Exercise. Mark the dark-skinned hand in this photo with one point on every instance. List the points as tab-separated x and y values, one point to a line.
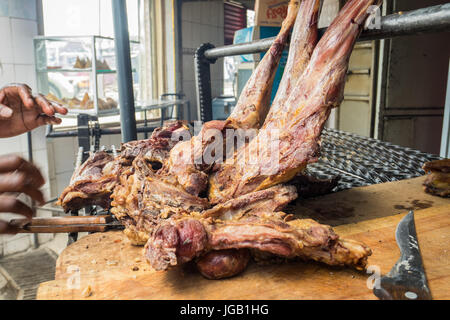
18	176
21	112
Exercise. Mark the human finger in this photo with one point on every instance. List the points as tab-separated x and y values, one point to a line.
25	94
6	228
19	182
9	163
11	204
5	112
45	105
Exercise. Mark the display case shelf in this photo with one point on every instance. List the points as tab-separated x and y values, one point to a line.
80	72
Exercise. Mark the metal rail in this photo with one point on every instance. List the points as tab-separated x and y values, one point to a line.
427	20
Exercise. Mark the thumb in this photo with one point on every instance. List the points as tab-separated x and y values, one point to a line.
5	112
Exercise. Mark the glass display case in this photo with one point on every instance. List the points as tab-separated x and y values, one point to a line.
80	72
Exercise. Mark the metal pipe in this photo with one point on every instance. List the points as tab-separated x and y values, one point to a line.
106	131
124	71
33	204
426	20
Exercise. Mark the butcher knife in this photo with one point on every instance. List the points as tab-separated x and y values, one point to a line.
407	279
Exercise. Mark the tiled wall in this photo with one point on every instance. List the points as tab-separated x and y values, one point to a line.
18	27
202	21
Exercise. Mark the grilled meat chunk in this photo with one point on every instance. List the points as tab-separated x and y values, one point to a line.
438	180
220	264
147	198
92	183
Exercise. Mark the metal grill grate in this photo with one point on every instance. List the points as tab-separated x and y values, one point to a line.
361	161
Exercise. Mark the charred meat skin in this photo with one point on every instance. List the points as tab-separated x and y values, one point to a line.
300	119
148	199
303	41
222	264
309	186
438	180
92	183
305	239
270	200
254	101
178	243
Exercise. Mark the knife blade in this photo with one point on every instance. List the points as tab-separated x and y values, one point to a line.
407	279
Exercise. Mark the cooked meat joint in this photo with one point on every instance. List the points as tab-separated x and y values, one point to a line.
92	183
438	179
156	185
179	241
220	264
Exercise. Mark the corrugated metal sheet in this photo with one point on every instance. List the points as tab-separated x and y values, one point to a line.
235	18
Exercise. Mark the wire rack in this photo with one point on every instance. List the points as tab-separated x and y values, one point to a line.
361	161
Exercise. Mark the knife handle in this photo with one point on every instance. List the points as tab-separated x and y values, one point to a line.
62	224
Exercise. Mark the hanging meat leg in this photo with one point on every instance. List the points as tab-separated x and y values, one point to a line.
303	41
188	160
290	137
254	101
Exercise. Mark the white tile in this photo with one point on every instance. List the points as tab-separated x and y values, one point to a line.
216	11
51	161
116	140
220	36
6	53
205	12
188	67
205	34
25	73
62	181
45	237
4	8
23	32
53	188
40	159
46	191
18	243
39	140
64	154
187	36
217	70
196	12
216	88
7	74
24	9
189	91
186	11
196	35
11	146
220	15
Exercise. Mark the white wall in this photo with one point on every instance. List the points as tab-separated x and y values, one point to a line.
202	21
18	26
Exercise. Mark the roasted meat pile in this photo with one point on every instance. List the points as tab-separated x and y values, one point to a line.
192	200
438	180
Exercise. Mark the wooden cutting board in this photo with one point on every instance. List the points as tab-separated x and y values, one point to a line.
111	268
